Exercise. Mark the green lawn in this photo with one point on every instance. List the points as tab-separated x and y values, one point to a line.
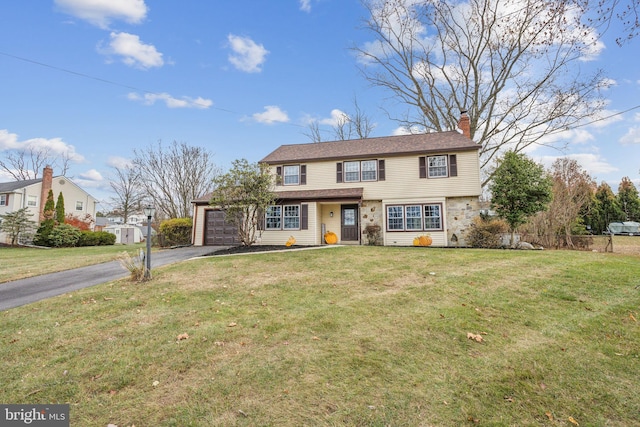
19	263
344	336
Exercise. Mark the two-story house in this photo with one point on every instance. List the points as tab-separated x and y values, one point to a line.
32	194
406	185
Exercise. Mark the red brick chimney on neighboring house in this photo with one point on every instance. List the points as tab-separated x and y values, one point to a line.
47	181
464	124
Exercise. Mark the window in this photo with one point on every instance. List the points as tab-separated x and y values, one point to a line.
437	166
291	175
369	170
3	200
79	206
32	201
432	217
273	217
414	217
351	171
395	218
365	170
291	217
286	217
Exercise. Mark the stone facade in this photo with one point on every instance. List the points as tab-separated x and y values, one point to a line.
460	214
371	215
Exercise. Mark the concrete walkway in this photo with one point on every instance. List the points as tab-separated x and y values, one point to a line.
25	291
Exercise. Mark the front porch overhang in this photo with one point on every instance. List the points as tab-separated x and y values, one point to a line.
340	194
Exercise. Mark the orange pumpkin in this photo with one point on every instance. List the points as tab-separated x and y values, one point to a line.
425	240
330	238
291	241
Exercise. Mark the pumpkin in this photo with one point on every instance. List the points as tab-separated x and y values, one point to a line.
425	240
330	238
416	241
291	241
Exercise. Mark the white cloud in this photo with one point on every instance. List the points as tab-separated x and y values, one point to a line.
91	175
247	55
272	114
170	101
52	146
592	163
305	5
118	162
337	117
632	136
101	12
133	52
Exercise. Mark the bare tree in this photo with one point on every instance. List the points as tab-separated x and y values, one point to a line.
27	163
513	65
172	177
128	189
346	126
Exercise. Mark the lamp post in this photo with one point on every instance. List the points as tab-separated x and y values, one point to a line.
149	210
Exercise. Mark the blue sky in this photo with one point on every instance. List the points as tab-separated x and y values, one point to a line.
98	78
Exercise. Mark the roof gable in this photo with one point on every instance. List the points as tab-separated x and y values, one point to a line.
372	147
8	187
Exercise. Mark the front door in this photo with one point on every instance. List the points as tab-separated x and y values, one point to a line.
349	219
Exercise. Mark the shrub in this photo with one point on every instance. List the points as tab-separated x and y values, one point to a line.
486	232
64	236
134	264
96	238
372	231
176	231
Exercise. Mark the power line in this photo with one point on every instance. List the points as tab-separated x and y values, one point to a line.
111	82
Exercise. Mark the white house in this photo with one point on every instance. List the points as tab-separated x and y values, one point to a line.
32	194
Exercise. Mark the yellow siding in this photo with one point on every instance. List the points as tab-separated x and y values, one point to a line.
402	179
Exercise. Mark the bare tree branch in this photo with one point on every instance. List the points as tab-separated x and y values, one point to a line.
513	65
174	176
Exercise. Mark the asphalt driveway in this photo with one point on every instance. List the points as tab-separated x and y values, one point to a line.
25	291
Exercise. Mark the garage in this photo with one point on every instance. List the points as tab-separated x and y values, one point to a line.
217	232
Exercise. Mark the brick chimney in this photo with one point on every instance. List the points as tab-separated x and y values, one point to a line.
464	124
47	181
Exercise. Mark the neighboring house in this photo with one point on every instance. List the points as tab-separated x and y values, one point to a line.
125	233
32	194
406	185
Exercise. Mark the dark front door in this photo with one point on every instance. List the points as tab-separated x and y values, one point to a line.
217	231
349	223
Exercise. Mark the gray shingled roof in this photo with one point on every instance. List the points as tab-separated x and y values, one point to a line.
7	187
372	147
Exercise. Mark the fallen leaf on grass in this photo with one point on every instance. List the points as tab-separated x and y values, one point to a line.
232	324
573	421
632	318
474	337
156	383
315	339
549	415
184	336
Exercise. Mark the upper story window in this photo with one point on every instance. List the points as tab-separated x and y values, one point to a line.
32	201
291	175
437	166
440	166
361	170
3	200
79	206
